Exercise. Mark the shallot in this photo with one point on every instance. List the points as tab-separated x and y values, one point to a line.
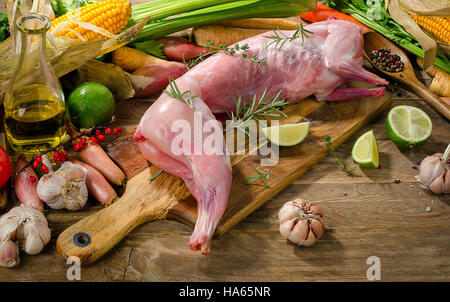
301	222
25	185
434	172
95	156
98	187
153	78
180	49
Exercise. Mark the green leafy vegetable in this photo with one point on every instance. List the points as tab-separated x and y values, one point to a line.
373	14
61	7
185	14
4	27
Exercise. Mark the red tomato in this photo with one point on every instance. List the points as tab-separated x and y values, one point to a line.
5	167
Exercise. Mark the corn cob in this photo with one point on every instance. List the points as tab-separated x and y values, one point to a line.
439	27
111	15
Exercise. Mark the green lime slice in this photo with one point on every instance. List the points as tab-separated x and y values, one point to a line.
286	135
408	126
365	151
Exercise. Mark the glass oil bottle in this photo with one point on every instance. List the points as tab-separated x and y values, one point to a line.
34	101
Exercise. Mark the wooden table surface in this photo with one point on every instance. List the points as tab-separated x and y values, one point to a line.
368	215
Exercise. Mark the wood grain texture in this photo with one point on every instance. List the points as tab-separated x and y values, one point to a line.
367	216
146	200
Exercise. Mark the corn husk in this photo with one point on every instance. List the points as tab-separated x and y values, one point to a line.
63	53
400	14
432	8
110	75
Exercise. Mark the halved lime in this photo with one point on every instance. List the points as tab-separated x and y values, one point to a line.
365	151
408	126
286	135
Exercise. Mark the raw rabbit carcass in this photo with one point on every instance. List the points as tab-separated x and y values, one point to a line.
322	65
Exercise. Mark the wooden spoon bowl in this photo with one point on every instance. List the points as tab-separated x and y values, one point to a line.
373	41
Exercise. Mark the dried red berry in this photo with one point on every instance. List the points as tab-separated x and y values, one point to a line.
115	131
65	154
108	131
44	168
93	139
75	147
119	129
35	164
98	132
101	138
32	178
38	159
83	140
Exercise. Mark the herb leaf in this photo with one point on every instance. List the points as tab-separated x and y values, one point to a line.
342	166
255	109
175	93
280	38
262	175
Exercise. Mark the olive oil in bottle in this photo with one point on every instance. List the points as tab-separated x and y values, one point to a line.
34	101
36	121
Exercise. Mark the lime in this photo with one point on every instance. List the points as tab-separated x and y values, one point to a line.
286	135
90	104
365	151
408	126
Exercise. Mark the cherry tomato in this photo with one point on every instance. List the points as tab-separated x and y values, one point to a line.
5	167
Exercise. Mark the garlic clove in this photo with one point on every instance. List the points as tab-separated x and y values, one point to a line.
437	185
288	212
9	254
316	227
286	227
299	232
447	181
32	243
310	239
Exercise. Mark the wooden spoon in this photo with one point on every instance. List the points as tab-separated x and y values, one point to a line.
373	40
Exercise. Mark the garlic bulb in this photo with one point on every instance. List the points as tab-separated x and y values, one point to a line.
301	222
434	173
28	226
65	188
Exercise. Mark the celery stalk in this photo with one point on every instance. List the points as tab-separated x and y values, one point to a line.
226	10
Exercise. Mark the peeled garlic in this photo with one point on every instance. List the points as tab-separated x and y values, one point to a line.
434	173
301	222
26	225
65	188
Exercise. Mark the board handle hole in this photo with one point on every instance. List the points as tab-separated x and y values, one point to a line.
81	239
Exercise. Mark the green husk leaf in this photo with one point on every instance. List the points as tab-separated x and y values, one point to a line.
151	47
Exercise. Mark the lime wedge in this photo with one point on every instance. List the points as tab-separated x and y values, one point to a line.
286	135
365	151
408	127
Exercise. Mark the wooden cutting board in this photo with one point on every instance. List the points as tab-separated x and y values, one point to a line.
166	197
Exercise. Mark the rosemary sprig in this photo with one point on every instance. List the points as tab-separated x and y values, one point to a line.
340	163
175	93
281	38
262	175
255	109
228	50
